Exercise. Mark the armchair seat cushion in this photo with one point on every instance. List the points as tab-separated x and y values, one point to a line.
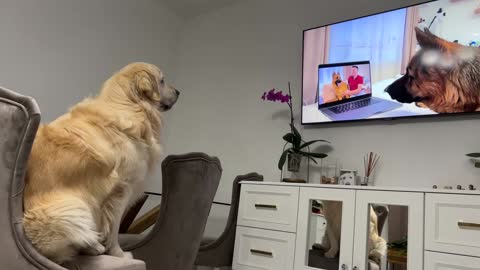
105	262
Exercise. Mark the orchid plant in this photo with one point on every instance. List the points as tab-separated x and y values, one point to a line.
298	145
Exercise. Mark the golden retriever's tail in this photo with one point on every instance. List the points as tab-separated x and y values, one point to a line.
60	229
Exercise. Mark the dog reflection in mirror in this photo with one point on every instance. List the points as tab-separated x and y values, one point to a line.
377	246
442	76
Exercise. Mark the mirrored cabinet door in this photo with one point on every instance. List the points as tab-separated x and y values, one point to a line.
325	229
388	230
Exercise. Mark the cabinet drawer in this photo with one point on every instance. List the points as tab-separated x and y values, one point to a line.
442	261
452	224
269	207
263	249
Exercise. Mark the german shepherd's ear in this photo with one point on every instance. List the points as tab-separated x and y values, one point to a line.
146	85
427	40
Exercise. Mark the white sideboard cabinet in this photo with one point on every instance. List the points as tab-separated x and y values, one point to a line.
286	226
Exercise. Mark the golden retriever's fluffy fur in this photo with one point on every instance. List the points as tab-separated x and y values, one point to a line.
87	166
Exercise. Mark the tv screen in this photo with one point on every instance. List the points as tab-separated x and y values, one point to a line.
422	60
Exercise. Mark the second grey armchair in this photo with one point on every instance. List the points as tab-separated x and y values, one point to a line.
189	185
219	252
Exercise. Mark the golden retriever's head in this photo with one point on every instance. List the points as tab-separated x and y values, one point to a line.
143	83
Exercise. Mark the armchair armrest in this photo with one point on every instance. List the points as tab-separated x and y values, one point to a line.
145	221
132	213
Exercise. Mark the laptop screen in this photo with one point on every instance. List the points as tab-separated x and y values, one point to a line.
343	82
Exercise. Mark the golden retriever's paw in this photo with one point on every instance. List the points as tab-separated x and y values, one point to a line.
128	255
116	251
97	249
331	253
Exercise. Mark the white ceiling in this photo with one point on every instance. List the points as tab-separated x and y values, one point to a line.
191	8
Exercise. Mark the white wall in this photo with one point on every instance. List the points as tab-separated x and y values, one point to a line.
59	51
228	57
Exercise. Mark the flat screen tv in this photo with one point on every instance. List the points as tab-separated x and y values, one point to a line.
417	61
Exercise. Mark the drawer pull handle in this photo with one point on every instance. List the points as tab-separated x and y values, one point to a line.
261	252
266	206
469	225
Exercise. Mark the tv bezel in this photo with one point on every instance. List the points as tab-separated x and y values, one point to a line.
438	115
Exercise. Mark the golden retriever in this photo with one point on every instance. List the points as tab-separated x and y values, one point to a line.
89	165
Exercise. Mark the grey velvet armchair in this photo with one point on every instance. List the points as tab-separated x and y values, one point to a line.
19	121
219	252
189	184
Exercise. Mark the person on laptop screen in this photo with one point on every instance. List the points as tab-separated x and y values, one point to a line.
355	81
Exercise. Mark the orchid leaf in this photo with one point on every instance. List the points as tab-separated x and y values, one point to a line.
312	159
298	137
315	155
283	158
312	142
289	137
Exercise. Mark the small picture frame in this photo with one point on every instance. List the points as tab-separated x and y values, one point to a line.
347	177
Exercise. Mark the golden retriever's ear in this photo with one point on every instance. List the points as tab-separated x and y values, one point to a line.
147	86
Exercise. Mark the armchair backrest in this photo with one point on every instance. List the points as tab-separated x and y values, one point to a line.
19	121
189	183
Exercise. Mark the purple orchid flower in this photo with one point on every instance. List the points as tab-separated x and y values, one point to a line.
279	96
274	96
271	95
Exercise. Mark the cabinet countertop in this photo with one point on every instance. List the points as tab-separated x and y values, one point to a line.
372	188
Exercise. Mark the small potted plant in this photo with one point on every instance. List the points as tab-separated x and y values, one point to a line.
298	148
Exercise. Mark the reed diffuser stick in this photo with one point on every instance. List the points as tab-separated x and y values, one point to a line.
370	162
